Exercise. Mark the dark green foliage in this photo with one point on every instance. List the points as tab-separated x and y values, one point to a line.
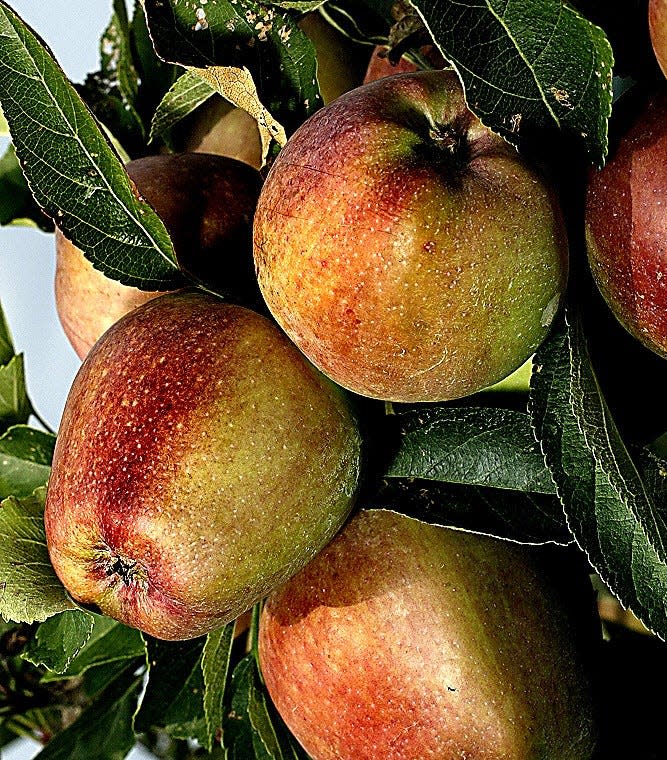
553	468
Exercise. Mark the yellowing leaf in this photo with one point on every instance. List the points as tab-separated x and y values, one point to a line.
237	86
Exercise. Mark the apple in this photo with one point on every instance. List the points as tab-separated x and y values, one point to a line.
409	252
626	228
404	641
200	462
380	65
657	21
206	203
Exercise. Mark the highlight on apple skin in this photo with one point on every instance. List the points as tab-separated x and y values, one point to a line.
657	21
407	250
626	228
206	203
407	641
200	462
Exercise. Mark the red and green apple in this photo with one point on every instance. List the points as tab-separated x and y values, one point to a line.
405	641
626	227
200	462
411	253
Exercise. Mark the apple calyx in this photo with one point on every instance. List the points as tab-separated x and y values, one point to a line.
118	567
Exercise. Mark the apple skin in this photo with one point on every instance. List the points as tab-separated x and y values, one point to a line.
206	202
657	21
495	668
200	461
626	228
407	250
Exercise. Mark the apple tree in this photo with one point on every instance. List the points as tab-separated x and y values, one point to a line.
568	453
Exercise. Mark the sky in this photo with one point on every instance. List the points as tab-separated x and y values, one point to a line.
72	29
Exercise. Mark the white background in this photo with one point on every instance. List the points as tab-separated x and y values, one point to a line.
72	29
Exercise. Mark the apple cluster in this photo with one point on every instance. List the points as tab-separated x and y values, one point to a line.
211	455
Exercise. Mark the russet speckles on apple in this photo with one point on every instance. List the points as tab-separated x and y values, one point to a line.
366	227
176	501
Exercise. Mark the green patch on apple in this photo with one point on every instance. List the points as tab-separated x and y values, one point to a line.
434	269
210	465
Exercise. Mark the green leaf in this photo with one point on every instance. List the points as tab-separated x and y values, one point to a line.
6	735
59	639
242	33
73	171
186	686
30	591
249	729
25	460
104	730
537	63
96	680
215	667
155	76
174	697
653	470
478	446
117	67
16	202
187	93
15	406
29	444
4	127
609	510
527	518
109	642
130	82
